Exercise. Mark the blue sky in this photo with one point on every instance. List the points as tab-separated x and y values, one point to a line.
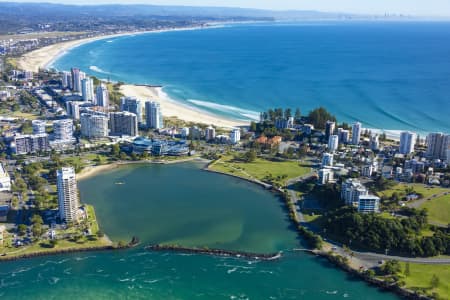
413	7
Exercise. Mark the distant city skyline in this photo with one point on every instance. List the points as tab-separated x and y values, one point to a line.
407	7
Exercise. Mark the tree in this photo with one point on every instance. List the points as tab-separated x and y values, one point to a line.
297	114
434	282
319	116
115	150
287	113
407	270
22	228
391	267
37	230
250	156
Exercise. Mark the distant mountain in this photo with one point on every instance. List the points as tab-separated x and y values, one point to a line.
58	10
18	17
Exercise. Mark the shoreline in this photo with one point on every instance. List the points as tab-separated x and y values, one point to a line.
179	109
91	171
44	57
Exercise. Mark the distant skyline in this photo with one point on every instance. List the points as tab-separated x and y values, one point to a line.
407	7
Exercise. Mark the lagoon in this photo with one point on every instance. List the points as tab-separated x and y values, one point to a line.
180	203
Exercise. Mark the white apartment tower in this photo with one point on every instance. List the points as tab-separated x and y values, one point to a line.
356	133
87	89
38	126
102	96
235	136
351	190
438	145
327	160
153	115
333	143
63	129
77	76
407	142
67	194
94	126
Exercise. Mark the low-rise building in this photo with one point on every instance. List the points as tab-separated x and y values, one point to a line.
368	204
30	143
5	180
351	190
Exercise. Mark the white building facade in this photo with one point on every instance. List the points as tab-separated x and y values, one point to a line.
67	194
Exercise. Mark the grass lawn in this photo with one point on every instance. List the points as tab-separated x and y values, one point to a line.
425	190
420	278
43	246
438	210
261	169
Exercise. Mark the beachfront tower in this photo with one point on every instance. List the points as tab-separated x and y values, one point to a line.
102	96
87	89
356	133
153	115
329	129
67	194
132	105
407	142
66	80
333	143
210	133
438	145
77	76
235	136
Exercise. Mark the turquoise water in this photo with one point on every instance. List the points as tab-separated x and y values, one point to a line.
181	204
138	274
386	75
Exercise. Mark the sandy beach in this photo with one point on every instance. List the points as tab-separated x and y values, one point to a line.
171	108
94	170
41	58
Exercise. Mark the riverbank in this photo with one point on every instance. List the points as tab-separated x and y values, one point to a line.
108	246
91	171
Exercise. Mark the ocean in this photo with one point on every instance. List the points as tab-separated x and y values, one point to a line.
205	209
387	75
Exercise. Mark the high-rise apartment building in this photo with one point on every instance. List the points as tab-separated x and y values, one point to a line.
67	194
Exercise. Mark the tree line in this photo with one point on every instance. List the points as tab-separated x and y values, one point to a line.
380	234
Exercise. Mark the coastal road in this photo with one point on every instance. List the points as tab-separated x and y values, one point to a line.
293	194
370	259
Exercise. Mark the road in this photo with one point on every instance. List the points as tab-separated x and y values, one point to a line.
356	258
418	203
